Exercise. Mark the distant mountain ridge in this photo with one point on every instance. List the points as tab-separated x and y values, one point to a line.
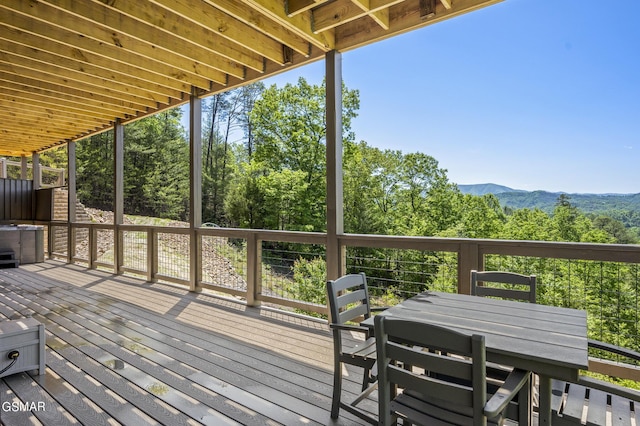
486	188
546	201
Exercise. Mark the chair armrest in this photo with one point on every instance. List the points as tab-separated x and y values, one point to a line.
609	388
512	385
619	350
379	308
349	327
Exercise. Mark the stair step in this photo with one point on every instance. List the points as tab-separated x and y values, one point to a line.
9	262
7	254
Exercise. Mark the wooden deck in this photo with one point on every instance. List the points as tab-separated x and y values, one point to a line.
123	351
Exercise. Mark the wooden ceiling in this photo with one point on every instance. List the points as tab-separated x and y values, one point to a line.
70	68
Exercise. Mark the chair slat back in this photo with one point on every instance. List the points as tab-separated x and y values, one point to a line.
509	278
348	298
455	378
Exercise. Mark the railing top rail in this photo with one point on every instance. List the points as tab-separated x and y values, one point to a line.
564	250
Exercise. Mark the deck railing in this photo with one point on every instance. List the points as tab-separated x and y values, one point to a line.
50	177
287	269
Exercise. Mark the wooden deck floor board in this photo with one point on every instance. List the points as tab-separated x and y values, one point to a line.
74	348
188	358
146	366
11	417
123	344
280	379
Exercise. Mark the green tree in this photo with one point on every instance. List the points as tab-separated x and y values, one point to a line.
368	188
480	217
289	131
156	165
94	162
425	199
526	224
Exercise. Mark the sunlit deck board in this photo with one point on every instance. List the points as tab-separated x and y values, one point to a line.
188	358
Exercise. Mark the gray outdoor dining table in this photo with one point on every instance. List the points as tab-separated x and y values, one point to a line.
550	341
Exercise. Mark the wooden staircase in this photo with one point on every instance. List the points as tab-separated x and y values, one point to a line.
8	259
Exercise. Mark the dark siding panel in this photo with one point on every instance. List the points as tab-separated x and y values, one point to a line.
16	199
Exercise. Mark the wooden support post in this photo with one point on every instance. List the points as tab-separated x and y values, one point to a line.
335	219
37	171
152	255
195	199
118	194
254	269
467	260
93	247
71	201
24	168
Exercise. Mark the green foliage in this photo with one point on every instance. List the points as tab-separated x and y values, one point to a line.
156	164
94	173
289	131
309	277
478	217
621	207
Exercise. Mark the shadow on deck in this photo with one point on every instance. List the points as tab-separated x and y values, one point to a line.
123	351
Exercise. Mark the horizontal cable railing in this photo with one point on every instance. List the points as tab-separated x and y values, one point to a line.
395	274
608	291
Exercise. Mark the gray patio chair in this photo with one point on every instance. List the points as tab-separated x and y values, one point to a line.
518	287
348	298
447	382
594	401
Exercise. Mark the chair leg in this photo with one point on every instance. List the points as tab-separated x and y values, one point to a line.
366	379
525	407
337	389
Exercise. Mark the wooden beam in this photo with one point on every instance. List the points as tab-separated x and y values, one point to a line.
299	24
427	9
29	56
48	37
48	72
269	25
107	29
343	11
295	7
212	21
30	98
159	73
54	97
69	92
62	104
18	107
335	209
46	130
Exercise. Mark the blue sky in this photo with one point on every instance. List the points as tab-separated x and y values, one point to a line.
529	94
